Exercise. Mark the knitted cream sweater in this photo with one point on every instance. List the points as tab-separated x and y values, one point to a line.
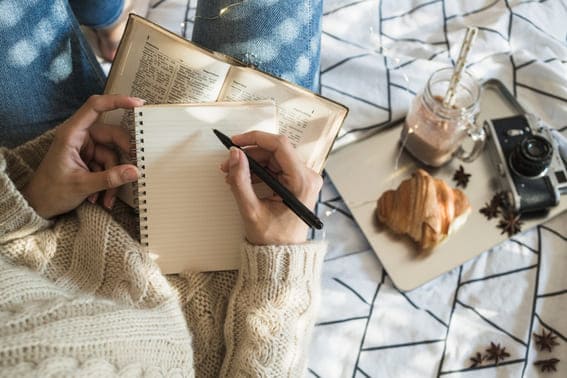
78	297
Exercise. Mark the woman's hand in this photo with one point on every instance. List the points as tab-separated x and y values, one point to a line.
81	160
269	220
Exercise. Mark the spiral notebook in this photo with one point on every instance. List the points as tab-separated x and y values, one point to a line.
188	217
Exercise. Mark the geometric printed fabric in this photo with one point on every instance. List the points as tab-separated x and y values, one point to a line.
376	55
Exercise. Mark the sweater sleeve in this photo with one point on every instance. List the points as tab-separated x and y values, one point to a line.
272	310
17	218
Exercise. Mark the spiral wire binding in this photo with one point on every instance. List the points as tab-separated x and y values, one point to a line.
140	189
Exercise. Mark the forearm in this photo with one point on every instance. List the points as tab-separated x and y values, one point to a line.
272	310
17	218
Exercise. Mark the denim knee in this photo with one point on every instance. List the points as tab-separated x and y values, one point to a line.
47	69
280	37
97	13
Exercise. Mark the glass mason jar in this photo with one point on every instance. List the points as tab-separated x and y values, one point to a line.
434	133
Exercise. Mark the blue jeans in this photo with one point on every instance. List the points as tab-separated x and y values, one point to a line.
97	13
47	69
282	37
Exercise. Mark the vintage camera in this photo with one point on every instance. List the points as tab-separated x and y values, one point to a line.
527	162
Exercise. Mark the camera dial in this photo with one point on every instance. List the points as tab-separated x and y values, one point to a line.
532	156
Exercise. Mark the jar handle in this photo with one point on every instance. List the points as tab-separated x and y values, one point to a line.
478	136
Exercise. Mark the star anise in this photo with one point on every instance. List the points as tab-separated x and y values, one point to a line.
496	353
510	223
477	360
547	365
545	341
490	210
461	177
502	200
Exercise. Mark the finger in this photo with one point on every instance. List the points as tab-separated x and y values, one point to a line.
224	167
87	151
108	179
241	186
261	156
111	134
105	156
264	158
98	104
108	158
278	145
94	167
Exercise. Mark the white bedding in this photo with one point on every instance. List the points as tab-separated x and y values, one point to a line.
375	56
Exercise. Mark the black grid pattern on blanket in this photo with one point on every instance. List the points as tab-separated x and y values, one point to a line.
376	55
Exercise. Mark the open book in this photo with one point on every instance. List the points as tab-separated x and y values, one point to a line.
163	68
188	216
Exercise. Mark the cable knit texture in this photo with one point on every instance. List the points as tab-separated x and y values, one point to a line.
78	297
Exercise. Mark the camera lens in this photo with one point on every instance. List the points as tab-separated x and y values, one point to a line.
531	156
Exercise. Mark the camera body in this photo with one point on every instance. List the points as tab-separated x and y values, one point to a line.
527	161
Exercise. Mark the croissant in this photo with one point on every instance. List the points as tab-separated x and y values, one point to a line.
425	208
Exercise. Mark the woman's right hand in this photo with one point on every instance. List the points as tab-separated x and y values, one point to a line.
269	220
81	161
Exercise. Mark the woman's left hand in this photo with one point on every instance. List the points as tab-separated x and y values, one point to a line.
81	161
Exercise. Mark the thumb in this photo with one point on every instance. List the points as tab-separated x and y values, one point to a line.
110	178
240	182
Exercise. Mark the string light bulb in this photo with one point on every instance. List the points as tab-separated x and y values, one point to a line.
222	11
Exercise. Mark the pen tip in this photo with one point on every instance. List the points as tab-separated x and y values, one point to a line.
218	134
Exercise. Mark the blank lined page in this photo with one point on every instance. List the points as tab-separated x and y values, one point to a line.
193	221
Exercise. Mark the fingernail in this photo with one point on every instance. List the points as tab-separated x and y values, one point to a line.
129	174
233	156
92	198
110	203
140	100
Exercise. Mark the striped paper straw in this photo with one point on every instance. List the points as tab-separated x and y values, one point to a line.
449	99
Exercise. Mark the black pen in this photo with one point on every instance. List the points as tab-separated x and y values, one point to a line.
288	198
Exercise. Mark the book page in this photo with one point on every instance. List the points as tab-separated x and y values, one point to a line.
160	67
163	68
310	122
192	218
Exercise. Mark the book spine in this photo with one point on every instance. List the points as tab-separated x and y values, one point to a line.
140	189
